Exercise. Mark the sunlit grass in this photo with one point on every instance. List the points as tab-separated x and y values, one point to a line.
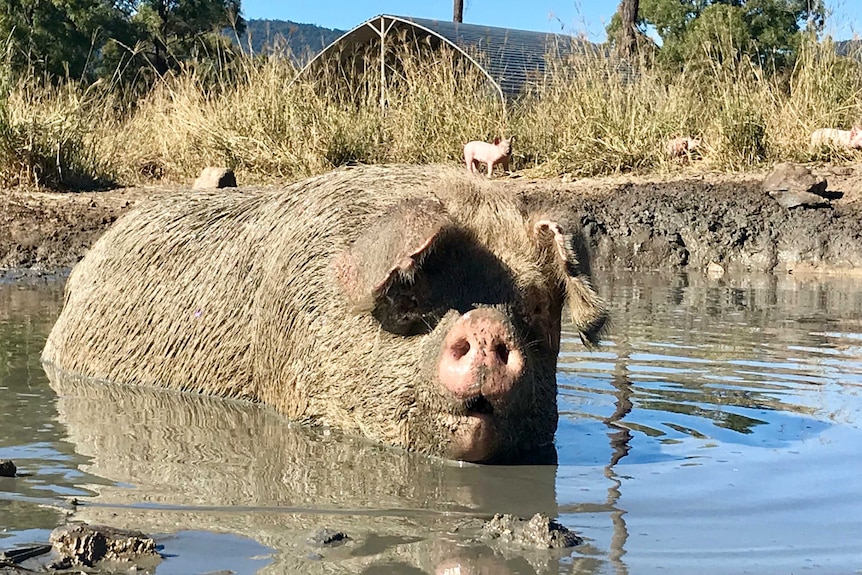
592	116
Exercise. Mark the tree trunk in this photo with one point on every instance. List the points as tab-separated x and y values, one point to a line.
160	42
458	11
628	27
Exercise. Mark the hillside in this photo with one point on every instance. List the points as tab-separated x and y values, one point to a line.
301	40
849	47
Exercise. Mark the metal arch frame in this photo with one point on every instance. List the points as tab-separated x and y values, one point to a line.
382	31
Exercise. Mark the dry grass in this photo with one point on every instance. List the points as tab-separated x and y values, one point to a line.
592	118
46	136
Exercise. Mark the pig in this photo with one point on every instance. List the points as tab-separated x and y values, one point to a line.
851	139
681	146
491	154
413	305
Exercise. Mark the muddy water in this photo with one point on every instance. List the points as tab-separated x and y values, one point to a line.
717	431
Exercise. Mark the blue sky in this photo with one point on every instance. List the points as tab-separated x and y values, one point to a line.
568	16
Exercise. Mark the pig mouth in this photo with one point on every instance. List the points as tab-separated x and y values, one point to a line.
474	430
478	405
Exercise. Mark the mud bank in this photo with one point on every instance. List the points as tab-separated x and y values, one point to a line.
715	222
694	222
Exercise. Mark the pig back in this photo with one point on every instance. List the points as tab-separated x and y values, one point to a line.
164	297
193	291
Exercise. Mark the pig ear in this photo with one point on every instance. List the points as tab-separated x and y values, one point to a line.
564	245
392	247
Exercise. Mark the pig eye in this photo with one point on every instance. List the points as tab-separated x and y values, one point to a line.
541	309
404	309
535	304
458	274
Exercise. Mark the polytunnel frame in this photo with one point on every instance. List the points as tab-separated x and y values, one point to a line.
382	32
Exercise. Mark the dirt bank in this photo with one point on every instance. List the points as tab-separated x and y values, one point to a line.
698	220
651	222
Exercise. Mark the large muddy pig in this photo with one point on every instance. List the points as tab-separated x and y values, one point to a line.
416	306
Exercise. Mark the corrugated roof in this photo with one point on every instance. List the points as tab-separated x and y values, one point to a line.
510	58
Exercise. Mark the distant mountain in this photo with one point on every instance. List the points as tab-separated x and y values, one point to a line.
303	41
849	48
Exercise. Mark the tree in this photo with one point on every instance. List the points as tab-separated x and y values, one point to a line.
766	31
458	11
172	31
628	12
59	37
83	38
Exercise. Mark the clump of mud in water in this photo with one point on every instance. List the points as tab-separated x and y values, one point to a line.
539	531
7	468
81	544
83	548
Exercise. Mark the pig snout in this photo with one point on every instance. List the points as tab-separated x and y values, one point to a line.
480	358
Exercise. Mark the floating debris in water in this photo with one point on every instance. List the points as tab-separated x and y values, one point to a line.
539	531
7	468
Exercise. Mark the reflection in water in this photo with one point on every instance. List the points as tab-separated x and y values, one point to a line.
687	368
29	432
694	367
715	431
202	458
620	439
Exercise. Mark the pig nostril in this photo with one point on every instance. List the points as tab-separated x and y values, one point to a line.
460	348
502	352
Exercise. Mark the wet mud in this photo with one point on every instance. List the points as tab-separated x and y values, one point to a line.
716	222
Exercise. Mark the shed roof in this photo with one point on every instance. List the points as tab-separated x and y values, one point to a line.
510	58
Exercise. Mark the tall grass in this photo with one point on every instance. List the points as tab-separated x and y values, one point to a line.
46	136
591	116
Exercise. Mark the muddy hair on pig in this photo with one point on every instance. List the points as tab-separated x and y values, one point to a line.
330	299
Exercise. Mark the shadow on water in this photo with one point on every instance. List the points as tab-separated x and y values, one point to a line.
712	405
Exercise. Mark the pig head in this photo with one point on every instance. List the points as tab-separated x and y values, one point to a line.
484	288
415	306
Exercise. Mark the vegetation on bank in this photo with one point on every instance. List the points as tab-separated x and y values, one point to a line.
591	117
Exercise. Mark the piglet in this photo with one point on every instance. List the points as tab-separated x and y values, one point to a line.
837	138
682	146
491	154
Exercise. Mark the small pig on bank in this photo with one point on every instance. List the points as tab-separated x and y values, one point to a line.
413	305
849	139
682	147
491	154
